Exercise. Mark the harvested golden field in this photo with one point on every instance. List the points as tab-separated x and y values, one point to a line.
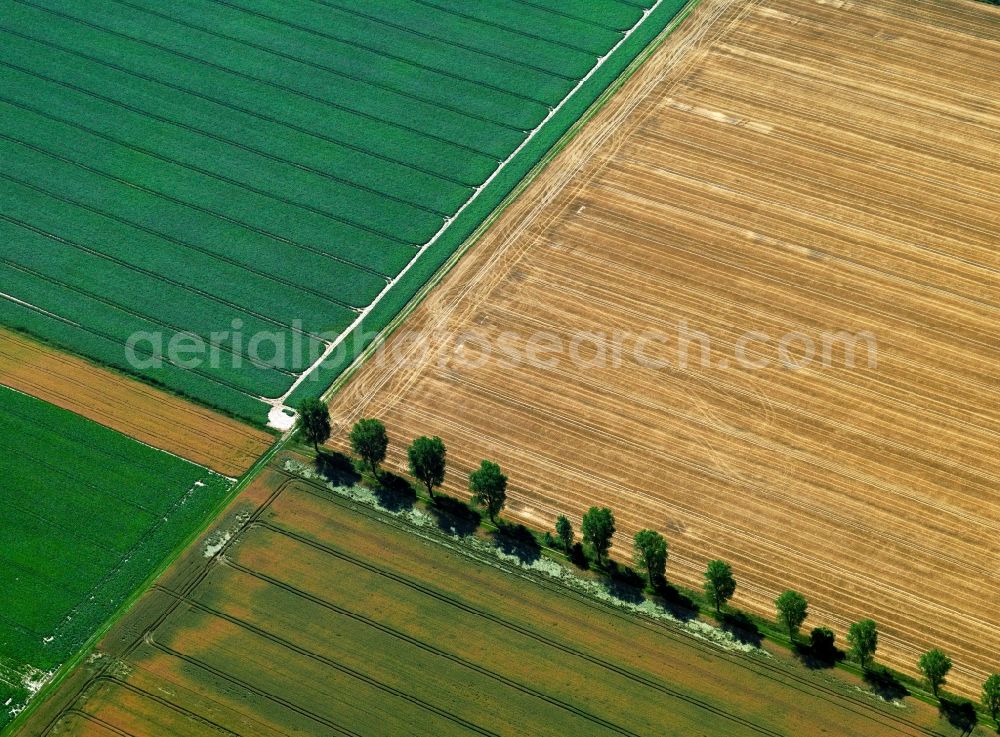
150	415
788	168
320	616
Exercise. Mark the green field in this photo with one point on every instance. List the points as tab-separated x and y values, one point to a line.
173	168
88	515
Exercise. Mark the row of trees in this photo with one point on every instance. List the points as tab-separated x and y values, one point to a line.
427	457
791	607
650	553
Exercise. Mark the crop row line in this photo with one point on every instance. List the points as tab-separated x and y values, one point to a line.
24	630
45	576
744	661
210	174
113	728
446	41
832	117
513	626
345	669
139	351
395	57
193	206
232	106
571	16
258	80
645	199
72	478
256	363
800	454
150	533
156	277
835	35
176	241
502	27
157	698
216	137
290	705
761	159
427	647
316	65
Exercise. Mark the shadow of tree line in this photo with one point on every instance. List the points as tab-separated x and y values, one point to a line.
396	494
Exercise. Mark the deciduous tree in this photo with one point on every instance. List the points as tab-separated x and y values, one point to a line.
564	531
598	528
720	585
427	461
863	639
991	695
370	441
792	611
935	665
651	554
489	488
314	422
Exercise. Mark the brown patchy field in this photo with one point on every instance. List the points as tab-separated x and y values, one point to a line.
788	166
150	415
324	617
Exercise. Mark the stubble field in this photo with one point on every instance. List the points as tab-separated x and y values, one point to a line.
803	166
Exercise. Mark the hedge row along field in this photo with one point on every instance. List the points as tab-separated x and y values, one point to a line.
89	514
187	168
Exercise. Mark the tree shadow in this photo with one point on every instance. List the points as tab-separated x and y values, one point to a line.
680	605
741	627
517	540
336	468
624	591
578	557
394	492
960	713
816	656
455	517
623	583
884	683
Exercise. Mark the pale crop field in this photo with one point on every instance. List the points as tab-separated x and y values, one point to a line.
802	167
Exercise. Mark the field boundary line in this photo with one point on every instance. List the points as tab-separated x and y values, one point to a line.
493	216
680	58
279	402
